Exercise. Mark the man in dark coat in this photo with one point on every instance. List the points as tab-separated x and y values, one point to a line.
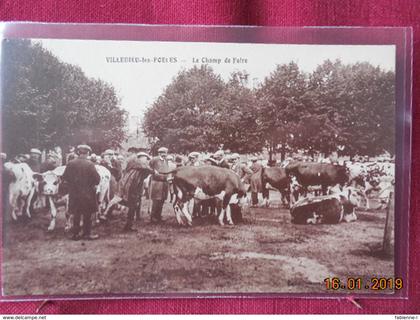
82	178
159	185
130	188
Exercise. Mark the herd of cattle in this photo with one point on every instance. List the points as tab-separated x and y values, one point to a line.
314	192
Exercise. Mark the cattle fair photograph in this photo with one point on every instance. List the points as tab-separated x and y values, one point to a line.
152	167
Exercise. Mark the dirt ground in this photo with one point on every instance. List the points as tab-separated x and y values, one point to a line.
264	254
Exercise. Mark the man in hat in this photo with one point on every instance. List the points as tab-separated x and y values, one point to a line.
219	156
179	161
109	161
82	178
159	184
130	187
34	161
241	168
256	183
193	159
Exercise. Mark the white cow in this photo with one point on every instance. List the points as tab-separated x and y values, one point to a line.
102	189
21	189
48	186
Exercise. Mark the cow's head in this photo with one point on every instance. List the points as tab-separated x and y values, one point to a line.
48	182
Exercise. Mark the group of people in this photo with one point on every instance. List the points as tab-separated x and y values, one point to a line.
129	173
131	183
128	179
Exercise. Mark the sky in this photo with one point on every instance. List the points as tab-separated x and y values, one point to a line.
140	70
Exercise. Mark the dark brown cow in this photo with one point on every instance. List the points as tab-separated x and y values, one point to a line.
278	179
314	174
206	182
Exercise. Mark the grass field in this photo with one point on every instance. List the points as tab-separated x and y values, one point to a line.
264	254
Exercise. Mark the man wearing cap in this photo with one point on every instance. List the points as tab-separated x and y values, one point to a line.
109	161
255	179
219	156
82	178
130	187
34	161
193	159
159	184
179	161
241	168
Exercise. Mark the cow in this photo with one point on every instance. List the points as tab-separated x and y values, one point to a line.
102	189
317	174
277	178
21	188
372	178
330	209
206	182
50	186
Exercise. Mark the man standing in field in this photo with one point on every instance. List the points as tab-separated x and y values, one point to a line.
131	186
159	185
256	183
82	178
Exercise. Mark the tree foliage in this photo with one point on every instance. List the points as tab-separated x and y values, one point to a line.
49	103
338	107
198	111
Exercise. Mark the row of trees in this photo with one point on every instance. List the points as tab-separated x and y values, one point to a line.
48	103
338	107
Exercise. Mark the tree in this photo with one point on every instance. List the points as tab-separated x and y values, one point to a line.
237	119
48	103
182	117
358	100
281	106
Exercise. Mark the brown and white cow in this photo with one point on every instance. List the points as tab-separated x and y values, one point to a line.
206	182
328	209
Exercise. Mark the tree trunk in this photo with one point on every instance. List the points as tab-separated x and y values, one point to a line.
270	152
283	153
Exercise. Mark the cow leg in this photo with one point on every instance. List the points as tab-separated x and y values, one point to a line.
314	219
225	210
229	215
13	204
367	199
28	202
177	211
187	214
115	200
222	217
350	217
20	204
69	216
53	209
266	198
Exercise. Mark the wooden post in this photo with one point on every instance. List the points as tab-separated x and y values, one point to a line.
388	243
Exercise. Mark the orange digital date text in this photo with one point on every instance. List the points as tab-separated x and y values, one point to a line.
374	283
